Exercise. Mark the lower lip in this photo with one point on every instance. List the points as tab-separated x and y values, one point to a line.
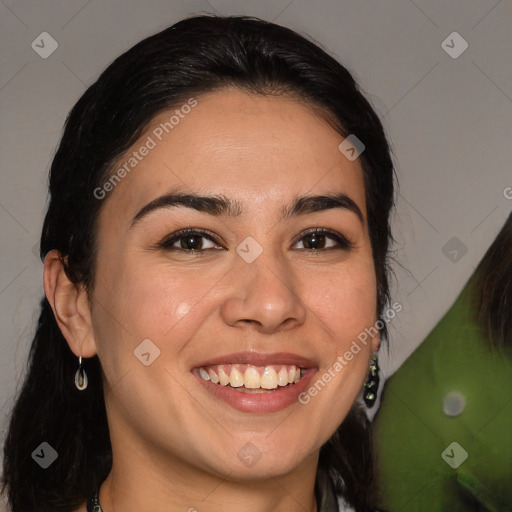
272	401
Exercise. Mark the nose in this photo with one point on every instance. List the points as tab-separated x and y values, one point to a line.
264	294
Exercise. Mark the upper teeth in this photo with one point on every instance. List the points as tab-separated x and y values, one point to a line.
250	376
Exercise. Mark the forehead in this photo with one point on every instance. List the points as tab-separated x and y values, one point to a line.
259	149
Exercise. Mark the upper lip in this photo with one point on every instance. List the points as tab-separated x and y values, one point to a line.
259	359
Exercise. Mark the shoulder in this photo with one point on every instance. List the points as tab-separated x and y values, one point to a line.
343	507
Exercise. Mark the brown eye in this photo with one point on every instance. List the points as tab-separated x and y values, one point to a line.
315	241
189	240
321	239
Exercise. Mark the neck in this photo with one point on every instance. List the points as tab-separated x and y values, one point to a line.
138	481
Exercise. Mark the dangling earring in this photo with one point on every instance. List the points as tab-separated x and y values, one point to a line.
371	384
80	376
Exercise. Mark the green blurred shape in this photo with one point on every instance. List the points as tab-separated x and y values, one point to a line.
412	430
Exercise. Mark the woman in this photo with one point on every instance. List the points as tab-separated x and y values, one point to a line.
214	249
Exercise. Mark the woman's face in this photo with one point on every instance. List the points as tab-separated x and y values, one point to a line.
257	294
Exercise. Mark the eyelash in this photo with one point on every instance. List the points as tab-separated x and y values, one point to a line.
343	242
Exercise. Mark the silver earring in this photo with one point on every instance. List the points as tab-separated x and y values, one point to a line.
80	376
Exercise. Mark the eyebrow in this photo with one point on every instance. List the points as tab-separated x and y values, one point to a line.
220	205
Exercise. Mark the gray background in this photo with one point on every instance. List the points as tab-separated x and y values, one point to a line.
448	119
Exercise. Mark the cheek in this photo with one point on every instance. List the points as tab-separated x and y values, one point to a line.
345	302
138	302
344	305
165	299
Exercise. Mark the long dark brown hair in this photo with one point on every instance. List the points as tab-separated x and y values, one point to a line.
194	56
492	291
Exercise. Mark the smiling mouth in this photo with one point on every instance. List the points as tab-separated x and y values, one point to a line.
248	378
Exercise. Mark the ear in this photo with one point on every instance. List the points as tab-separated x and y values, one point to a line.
70	306
376	343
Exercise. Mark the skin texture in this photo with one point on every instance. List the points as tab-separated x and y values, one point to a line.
174	445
